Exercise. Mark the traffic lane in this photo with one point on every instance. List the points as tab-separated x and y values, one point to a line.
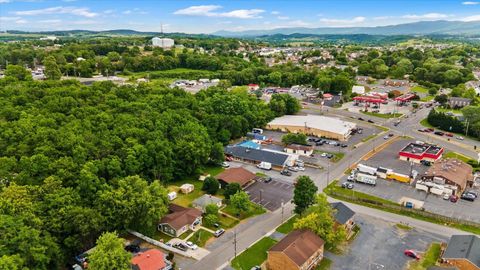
380	245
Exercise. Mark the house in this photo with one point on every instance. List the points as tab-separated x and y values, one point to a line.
299	149
327	96
276	158
358	89
152	259
238	175
187	188
315	125
201	202
253	87
300	249
343	216
179	220
463	252
450	172
458	102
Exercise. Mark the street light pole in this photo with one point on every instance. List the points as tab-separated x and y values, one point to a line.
235	242
328	173
282	210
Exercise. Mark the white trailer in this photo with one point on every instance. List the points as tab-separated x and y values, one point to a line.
366	169
265	165
366	179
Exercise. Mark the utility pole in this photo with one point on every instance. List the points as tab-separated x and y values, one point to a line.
328	172
466	129
235	242
282	210
261	190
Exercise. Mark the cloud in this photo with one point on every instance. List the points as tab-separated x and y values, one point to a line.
275	12
212	11
9	19
283	17
343	22
109	11
126	12
471	18
4	1
470	3
430	16
53	21
83	12
297	23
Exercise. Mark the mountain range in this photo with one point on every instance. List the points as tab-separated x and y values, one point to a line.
440	27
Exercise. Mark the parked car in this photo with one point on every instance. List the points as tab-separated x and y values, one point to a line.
439	133
343	145
473	192
361	119
319	143
293	169
329	156
347	185
191	245
323	154
449	135
351	178
468	197
412	254
426	162
453	198
132	248
370	121
311	139
256	267
268	179
180	246
286	173
460	138
219	232
225	164
420	130
429	130
446	196
390	135
300	168
386	137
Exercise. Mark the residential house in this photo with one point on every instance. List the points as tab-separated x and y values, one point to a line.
458	102
299	250
450	172
179	220
201	202
343	216
463	252
238	175
253	87
152	259
299	149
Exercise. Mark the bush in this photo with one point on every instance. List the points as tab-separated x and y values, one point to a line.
211	185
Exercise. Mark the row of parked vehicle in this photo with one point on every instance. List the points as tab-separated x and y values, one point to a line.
468	195
440	133
320	142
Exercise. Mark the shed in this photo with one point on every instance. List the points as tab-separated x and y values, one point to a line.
187	188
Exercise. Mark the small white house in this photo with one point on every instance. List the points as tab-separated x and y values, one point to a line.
358	89
303	150
172	196
187	188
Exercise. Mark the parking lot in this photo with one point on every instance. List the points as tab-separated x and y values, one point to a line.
380	245
270	195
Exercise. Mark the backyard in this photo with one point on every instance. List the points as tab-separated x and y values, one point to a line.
254	255
254	210
200	237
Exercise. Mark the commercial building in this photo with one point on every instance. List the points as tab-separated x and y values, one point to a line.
238	175
299	250
452	173
418	151
463	252
315	125
299	149
255	156
165	43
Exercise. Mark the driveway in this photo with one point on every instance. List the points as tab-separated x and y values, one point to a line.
380	245
270	195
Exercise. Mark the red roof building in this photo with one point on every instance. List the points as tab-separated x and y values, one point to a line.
417	152
152	259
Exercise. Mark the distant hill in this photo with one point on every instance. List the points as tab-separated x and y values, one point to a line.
416	28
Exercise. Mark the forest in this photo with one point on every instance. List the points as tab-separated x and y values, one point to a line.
79	160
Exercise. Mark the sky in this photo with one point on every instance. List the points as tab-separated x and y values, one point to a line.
234	15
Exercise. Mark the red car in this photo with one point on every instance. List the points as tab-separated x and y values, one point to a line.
454	198
412	254
429	130
449	135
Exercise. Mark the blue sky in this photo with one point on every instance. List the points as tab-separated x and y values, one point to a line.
237	15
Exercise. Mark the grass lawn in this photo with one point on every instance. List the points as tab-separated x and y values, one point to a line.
225	222
254	255
389	206
369	137
200	237
454	111
185	200
254	210
427	98
383	115
159	235
382	128
457	156
403	226
324	264
287	226
337	156
425	123
428	259
419	89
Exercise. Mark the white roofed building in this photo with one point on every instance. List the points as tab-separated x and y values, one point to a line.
316	125
358	89
165	43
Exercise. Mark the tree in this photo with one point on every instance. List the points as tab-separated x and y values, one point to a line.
320	220
216	153
442	99
210	219
52	72
211	209
298	138
231	189
109	254
240	202
304	193
210	185
17	72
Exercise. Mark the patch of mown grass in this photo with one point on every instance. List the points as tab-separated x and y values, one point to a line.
200	237
254	255
383	115
287	226
324	264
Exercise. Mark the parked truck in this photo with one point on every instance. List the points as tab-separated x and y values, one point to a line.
366	179
398	177
256	136
366	169
265	165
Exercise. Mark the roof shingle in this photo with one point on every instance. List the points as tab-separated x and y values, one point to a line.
299	245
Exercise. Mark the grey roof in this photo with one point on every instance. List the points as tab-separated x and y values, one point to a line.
343	213
464	247
205	200
276	158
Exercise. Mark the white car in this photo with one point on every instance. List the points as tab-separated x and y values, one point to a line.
323	154
191	245
446	196
350	177
300	168
460	138
225	164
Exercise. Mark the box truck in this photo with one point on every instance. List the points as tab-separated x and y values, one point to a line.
366	169
265	165
366	179
398	177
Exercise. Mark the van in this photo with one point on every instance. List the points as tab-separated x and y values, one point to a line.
265	165
257	130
